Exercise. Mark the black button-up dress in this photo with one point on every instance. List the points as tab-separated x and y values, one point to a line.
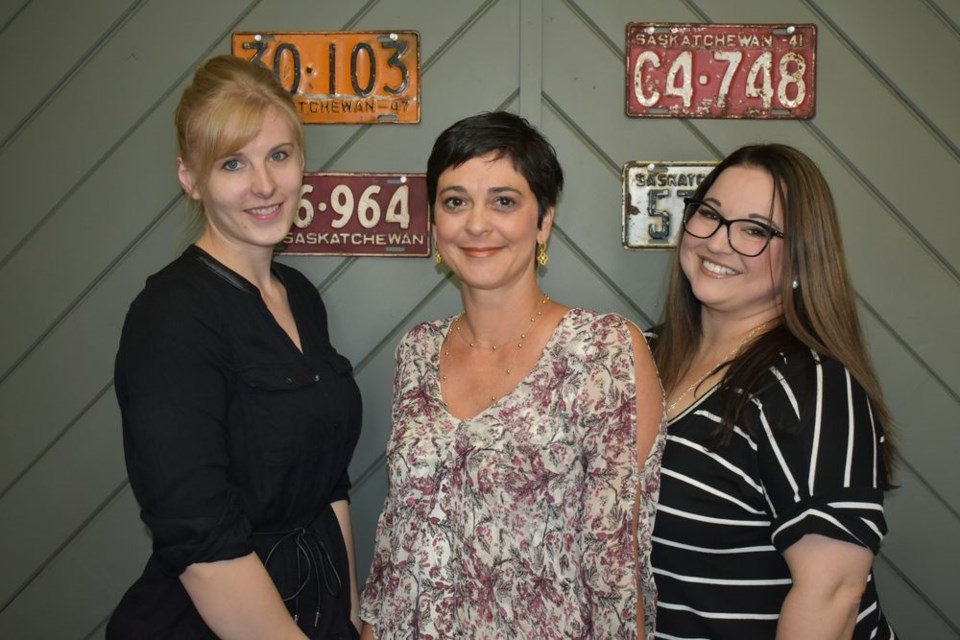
235	441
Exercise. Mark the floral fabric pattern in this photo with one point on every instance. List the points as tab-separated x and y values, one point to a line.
518	522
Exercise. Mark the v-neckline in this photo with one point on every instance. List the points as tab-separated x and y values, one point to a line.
241	283
438	380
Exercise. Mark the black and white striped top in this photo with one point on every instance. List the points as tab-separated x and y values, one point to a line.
727	513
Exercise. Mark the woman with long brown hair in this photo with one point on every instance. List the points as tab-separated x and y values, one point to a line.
771	507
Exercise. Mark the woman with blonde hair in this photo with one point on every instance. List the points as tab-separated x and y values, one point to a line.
771	507
239	417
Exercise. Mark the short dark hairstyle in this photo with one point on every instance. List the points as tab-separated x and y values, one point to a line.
508	136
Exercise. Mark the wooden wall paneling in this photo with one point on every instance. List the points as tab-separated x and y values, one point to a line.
910	49
73	595
590	216
74	362
116	203
587	84
923	547
948	11
904	603
9	10
925	413
60	492
108	97
50	41
106	214
531	60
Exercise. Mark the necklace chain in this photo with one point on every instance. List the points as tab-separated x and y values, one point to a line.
538	312
750	334
523	335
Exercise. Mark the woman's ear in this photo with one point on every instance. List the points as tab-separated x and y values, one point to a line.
546	226
187	180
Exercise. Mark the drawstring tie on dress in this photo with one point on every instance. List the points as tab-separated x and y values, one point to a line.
313	553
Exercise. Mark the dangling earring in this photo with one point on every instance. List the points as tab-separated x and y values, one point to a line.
542	257
795	284
437	257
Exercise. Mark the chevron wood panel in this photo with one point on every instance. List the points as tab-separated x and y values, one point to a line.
92	208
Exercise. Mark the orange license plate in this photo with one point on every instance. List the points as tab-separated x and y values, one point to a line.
342	77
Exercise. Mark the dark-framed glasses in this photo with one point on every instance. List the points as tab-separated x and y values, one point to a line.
746	237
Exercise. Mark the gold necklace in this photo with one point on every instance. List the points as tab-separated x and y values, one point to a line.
713	369
523	336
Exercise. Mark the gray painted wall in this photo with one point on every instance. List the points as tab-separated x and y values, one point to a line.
91	207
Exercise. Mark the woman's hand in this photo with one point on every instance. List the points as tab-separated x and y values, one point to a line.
367	632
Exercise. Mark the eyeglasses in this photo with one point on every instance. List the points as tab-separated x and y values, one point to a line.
746	237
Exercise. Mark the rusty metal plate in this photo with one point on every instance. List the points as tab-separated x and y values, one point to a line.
344	77
760	71
653	194
361	214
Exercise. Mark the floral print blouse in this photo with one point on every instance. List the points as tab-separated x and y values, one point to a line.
517	522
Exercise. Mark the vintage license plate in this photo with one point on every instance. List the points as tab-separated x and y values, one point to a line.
361	214
762	71
347	77
653	194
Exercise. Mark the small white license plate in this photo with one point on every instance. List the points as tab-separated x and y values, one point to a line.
653	193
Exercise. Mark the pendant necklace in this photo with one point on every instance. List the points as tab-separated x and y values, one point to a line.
713	369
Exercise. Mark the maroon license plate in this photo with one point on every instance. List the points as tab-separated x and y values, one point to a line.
762	71
361	214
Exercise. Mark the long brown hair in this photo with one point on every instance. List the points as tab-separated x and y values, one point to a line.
819	314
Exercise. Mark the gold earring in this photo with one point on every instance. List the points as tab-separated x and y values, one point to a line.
437	257
542	257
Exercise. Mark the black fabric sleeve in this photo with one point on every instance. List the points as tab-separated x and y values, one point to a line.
172	386
820	452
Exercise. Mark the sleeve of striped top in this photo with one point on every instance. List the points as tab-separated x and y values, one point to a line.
819	451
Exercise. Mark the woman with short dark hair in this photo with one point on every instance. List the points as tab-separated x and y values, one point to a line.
523	464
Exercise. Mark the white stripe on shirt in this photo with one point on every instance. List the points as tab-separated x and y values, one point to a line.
719	616
766	548
732	583
718	459
776	451
787	390
819	514
705	487
818	418
848	467
694	516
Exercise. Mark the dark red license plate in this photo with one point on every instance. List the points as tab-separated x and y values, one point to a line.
361	214
762	71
